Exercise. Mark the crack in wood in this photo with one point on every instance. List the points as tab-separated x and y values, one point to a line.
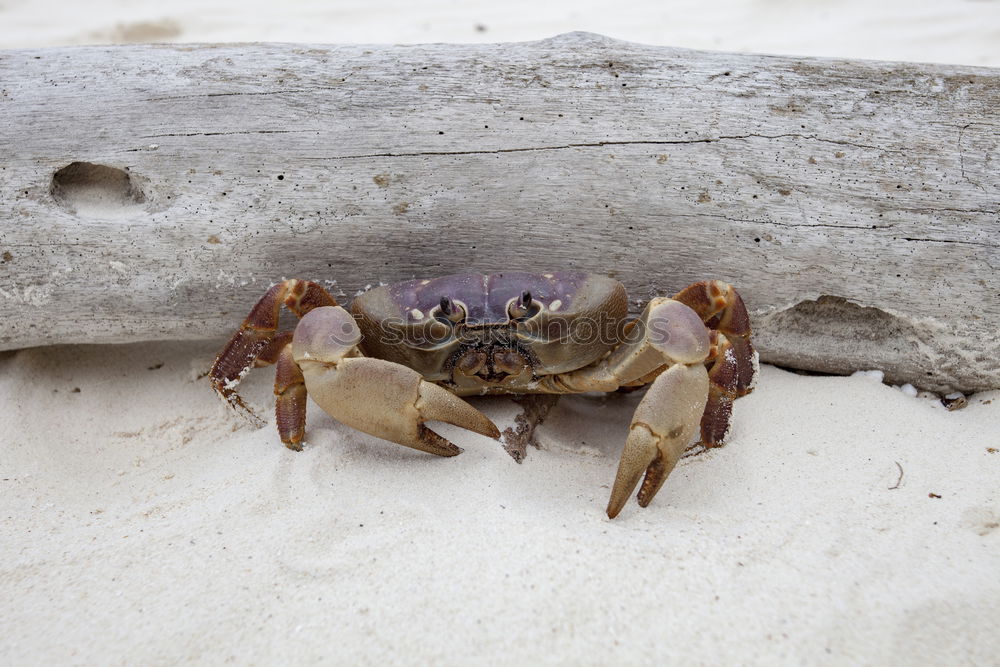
972	243
600	144
961	157
225	134
290	91
802	225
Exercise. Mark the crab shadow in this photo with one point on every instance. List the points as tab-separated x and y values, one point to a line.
592	425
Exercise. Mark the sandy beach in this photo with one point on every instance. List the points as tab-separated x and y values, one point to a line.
145	524
846	522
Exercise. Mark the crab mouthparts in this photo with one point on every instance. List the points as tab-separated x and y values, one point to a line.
492	363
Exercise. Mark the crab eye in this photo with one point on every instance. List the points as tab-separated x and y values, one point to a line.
524	307
450	311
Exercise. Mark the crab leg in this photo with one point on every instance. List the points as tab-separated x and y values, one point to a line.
256	341
733	366
272	351
378	397
290	400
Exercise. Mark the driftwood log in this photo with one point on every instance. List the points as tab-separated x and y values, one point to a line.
151	192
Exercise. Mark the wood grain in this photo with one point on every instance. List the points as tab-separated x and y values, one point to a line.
856	205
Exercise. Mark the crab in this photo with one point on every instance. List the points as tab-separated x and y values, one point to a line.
406	353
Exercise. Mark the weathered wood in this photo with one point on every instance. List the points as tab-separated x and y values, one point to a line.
229	167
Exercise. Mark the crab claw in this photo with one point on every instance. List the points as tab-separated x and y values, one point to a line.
378	397
664	423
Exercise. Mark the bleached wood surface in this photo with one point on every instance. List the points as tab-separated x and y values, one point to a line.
872	184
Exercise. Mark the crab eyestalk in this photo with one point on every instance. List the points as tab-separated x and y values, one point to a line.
451	311
522	307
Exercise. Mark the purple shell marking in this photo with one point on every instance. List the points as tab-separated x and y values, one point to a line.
485	297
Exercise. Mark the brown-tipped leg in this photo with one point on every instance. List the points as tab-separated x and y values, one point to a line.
733	362
290	400
272	351
234	362
747	364
723	379
256	338
731	375
717	419
534	408
719	305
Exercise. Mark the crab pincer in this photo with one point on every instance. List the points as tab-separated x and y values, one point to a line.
376	396
670	333
663	425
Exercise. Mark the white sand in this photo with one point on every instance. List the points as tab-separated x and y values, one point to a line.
144	524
